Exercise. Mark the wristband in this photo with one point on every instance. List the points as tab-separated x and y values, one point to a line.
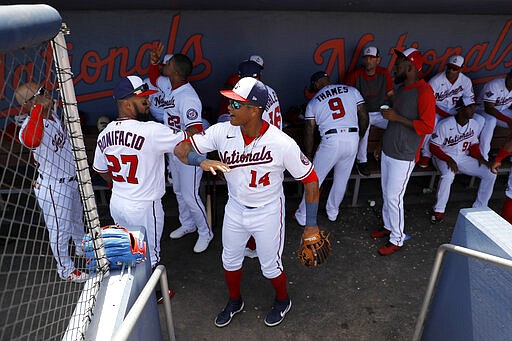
311	212
195	159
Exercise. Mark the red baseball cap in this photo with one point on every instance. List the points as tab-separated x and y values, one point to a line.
412	55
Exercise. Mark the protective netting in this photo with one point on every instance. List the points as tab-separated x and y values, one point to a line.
46	201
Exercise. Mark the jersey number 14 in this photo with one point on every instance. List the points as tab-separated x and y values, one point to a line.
264	180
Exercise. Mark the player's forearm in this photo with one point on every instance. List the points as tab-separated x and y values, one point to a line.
309	140
438	152
491	110
362	120
154	73
181	151
312	195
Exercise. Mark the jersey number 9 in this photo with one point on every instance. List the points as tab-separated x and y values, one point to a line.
336	105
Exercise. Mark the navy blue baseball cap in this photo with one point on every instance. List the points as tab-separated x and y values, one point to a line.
317	76
131	86
250	90
249	69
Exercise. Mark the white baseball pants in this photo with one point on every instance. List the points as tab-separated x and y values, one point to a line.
395	175
147	213
185	184
265	224
489	122
336	151
377	120
469	166
62	212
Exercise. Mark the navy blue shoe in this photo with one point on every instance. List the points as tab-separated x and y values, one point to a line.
279	310
232	308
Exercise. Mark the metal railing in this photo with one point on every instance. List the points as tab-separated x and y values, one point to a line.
441	251
126	328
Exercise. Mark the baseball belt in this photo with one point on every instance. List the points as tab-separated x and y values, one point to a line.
341	130
62	180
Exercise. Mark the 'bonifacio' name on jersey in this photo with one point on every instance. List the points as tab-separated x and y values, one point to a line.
121	138
237	159
331	92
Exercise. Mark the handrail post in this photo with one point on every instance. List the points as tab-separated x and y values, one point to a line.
126	328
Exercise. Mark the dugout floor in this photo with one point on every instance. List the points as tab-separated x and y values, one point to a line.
356	295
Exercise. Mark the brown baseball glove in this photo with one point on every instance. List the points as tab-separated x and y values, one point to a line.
314	247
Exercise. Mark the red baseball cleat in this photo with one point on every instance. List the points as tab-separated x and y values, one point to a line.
380	233
436	217
388	249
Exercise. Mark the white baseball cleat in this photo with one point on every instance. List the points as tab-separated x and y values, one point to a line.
77	276
202	243
181	231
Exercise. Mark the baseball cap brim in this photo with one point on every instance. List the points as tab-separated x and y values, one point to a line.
456	67
146	93
400	53
232	95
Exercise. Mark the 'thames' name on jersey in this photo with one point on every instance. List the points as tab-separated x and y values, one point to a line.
453	140
236	159
327	93
121	138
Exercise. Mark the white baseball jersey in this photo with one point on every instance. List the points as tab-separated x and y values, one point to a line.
184	107
57	192
256	169
133	153
158	100
447	94
496	92
453	139
340	100
53	156
272	113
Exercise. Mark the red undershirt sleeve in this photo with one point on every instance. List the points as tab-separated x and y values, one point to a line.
32	134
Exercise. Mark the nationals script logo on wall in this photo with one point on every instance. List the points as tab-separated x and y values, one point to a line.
332	52
95	69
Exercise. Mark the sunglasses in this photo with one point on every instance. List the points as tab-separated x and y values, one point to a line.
137	91
40	92
236	105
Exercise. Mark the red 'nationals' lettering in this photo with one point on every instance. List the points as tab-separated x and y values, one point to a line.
115	167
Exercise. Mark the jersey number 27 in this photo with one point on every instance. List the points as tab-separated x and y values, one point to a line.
114	167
